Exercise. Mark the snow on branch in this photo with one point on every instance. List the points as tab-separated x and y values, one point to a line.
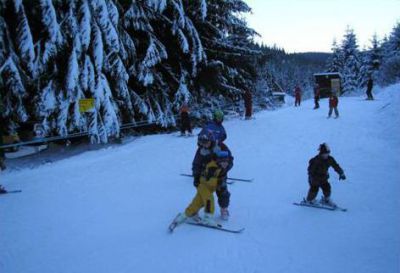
103	19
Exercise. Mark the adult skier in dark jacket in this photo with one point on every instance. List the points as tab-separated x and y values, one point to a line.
316	95
370	84
318	175
207	146
185	120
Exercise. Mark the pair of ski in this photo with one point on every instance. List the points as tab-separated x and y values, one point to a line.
199	223
15	191
319	206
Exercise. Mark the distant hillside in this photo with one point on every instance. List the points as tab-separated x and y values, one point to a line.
283	71
314	58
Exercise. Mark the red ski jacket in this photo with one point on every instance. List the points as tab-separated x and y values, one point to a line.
333	101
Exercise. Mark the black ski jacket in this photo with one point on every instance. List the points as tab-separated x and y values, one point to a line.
318	168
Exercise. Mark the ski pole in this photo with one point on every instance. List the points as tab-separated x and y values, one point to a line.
229	178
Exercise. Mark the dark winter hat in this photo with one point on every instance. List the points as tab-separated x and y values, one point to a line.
205	136
324	148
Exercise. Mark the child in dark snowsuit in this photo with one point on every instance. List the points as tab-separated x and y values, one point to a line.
318	175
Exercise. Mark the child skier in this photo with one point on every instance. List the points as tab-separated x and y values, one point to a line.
207	146
333	104
318	175
212	176
216	127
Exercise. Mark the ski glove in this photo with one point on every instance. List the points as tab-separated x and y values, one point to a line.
196	181
342	177
222	186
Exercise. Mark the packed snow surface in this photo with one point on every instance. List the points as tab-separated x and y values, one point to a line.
107	211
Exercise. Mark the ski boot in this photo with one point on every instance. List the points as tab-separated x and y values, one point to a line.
179	219
326	201
208	220
225	214
195	218
311	202
2	189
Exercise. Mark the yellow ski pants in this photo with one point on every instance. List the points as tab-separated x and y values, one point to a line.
204	197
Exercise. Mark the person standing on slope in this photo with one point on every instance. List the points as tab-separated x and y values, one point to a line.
318	176
248	104
2	167
207	147
333	104
316	96
213	175
185	120
297	96
370	85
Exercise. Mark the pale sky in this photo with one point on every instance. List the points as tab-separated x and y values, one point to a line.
311	25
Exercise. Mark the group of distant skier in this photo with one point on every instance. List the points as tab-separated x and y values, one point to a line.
333	98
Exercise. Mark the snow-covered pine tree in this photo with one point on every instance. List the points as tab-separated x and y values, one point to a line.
335	62
104	21
14	108
127	58
390	69
5	46
370	61
53	38
85	21
351	62
182	95
108	111
23	39
227	40
393	43
46	102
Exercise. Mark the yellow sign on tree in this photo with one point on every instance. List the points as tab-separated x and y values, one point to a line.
86	105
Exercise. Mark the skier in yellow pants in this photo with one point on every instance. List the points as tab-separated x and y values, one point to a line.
213	176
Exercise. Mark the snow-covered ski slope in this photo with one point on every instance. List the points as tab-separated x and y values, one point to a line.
107	211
